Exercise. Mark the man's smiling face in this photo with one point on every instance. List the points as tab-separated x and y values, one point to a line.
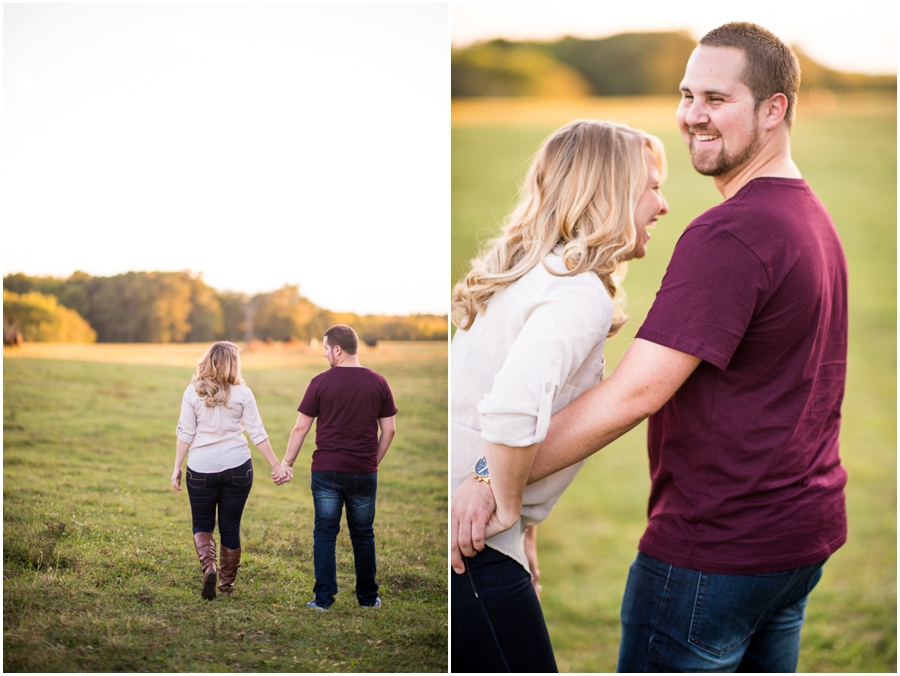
718	116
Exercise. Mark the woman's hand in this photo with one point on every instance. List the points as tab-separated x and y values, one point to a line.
281	474
472	520
176	479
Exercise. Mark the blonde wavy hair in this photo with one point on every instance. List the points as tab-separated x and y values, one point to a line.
580	192
218	369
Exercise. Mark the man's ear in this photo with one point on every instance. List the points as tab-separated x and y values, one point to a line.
774	109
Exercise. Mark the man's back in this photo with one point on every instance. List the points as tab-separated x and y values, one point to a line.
744	458
347	402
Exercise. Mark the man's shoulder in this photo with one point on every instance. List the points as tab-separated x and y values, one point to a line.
761	199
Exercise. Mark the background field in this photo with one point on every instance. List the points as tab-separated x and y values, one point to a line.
99	567
848	155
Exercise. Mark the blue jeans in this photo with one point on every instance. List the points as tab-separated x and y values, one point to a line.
226	492
677	619
496	619
331	492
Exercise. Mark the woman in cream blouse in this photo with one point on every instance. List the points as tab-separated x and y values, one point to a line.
533	316
216	409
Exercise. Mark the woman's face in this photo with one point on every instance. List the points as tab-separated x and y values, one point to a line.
650	207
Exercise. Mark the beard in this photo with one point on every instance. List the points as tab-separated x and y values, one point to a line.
725	161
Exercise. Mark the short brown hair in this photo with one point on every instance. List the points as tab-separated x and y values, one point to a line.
771	66
344	337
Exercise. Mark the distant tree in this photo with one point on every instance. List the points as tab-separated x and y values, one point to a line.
502	68
40	318
162	307
206	317
233	315
627	64
285	314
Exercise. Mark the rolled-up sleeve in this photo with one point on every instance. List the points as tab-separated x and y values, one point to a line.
252	421
187	421
553	343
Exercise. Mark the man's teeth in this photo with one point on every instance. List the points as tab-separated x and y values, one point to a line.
706	137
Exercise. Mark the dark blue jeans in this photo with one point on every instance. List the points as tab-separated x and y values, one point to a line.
678	619
331	492
496	619
225	492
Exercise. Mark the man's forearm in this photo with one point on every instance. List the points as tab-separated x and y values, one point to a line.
647	377
384	443
295	443
578	431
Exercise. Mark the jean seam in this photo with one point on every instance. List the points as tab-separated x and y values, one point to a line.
662	600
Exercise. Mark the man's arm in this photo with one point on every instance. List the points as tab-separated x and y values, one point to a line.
298	436
388	430
646	378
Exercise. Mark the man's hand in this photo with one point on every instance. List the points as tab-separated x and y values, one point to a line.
472	520
532	557
281	474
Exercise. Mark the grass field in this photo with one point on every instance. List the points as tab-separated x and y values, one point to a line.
99	568
848	155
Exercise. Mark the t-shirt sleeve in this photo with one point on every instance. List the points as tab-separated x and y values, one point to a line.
187	420
388	408
252	420
310	403
713	287
554	342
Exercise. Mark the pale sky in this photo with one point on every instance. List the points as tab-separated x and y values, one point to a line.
258	144
859	36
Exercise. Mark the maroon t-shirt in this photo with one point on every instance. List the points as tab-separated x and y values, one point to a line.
744	463
348	401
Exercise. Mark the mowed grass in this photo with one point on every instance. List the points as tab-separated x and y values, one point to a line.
848	155
99	567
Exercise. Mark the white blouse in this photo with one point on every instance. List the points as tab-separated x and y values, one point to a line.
535	349
216	434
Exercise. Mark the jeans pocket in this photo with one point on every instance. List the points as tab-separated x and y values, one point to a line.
729	608
196	480
242	477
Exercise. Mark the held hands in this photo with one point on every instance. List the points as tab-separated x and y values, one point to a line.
472	519
281	474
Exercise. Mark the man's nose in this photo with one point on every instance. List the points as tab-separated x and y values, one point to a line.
696	113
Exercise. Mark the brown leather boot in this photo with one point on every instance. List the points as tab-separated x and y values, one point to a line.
206	552
230	560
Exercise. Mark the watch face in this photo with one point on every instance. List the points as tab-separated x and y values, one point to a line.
481	468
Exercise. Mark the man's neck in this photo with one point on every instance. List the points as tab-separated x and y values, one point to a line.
772	161
350	360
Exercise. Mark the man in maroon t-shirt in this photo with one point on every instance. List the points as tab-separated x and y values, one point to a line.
351	403
740	366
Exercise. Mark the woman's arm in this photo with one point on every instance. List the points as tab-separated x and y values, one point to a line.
181	449
473	517
280	473
509	467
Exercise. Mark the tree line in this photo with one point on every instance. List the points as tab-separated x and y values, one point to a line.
627	64
178	307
